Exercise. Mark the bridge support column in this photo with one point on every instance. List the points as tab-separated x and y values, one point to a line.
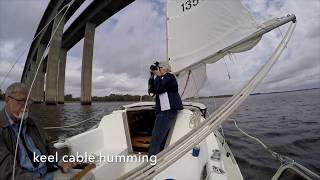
27	80
61	78
37	93
86	73
31	74
53	61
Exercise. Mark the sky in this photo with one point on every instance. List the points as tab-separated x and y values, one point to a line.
130	41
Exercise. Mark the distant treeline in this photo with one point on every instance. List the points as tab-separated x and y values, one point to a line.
112	97
1	95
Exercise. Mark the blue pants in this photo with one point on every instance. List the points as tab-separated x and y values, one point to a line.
162	125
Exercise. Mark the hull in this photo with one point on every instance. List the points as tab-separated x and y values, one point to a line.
120	143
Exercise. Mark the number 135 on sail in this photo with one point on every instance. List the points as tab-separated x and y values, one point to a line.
189	4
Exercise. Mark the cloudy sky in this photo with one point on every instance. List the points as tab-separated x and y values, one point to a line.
130	41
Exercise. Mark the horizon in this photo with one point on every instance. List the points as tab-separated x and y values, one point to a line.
138	34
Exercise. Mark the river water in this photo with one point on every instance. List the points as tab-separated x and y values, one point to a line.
289	123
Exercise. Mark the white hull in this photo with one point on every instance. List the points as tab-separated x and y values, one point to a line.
114	136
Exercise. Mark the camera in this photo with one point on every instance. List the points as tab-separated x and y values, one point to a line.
154	66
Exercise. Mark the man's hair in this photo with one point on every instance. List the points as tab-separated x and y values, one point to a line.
166	66
16	87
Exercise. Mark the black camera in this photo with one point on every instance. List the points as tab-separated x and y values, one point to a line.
151	89
154	66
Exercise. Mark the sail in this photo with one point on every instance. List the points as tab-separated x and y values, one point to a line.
198	29
191	81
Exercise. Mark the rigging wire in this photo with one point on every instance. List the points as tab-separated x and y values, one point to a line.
281	34
211	85
34	78
196	86
75	124
228	73
232	58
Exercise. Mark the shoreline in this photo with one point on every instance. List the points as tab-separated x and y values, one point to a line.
203	97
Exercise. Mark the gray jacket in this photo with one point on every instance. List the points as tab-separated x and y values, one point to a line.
8	143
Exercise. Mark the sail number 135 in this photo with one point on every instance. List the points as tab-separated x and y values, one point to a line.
189	4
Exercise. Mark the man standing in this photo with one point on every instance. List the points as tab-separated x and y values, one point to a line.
168	102
32	139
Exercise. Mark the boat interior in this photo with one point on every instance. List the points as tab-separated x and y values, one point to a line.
140	124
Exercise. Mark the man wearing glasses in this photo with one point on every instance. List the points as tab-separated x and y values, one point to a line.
32	139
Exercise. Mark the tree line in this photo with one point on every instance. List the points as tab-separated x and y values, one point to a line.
111	97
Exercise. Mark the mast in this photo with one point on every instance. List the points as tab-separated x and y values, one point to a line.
166	29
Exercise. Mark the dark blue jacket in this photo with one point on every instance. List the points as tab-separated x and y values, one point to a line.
168	83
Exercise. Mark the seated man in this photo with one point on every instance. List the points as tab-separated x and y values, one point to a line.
32	140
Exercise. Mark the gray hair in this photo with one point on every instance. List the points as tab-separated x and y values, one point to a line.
15	88
166	66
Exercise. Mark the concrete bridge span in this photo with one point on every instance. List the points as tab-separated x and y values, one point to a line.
49	86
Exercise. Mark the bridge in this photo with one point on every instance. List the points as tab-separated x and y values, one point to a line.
49	85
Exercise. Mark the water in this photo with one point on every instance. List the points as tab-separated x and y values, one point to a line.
287	122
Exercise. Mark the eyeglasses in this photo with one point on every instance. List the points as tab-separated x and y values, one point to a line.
21	101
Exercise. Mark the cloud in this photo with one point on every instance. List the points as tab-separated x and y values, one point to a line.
134	42
18	23
20	19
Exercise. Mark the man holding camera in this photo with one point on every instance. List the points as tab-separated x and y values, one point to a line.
168	102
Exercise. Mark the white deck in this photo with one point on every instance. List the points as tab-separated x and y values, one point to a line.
111	138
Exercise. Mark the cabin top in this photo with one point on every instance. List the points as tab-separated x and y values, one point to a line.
138	105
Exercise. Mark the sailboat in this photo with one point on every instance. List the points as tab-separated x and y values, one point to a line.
199	32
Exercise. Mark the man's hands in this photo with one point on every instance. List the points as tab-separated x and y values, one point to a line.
156	72
66	166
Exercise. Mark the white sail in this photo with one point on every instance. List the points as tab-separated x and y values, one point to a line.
191	81
198	29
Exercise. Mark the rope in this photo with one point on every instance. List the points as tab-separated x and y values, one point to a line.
252	137
185	86
25	106
283	159
75	124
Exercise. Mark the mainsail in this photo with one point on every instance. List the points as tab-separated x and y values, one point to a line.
198	30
